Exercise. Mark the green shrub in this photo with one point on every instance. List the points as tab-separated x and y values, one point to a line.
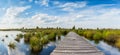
59	34
110	36
27	37
35	44
117	44
80	32
89	34
42	34
20	35
38	34
52	36
97	36
64	32
44	40
17	39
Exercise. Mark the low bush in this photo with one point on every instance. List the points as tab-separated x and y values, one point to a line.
35	44
97	36
12	45
117	44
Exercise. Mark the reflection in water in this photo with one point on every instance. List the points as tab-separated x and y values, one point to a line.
107	49
24	49
4	49
21	47
50	47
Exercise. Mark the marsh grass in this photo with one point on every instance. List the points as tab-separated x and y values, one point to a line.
118	43
27	37
19	36
37	38
97	36
111	36
12	45
17	39
35	44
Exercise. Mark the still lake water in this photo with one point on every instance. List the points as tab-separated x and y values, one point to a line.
23	49
105	48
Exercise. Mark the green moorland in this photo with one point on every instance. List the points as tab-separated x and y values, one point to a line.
38	37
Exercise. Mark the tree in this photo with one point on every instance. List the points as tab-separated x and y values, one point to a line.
73	27
22	28
37	27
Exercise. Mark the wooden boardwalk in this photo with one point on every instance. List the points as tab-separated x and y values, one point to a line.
73	44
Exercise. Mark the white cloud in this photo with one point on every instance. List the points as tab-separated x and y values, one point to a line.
11	21
13	11
44	18
9	17
30	0
42	2
70	6
102	18
36	1
45	2
56	2
99	16
91	17
74	5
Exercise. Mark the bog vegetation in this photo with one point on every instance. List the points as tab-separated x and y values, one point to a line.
39	37
111	36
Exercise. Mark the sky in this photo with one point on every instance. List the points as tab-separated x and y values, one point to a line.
60	13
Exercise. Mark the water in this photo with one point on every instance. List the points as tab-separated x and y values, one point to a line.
105	48
21	47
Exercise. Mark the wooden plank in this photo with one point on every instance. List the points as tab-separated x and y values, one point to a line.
73	44
71	53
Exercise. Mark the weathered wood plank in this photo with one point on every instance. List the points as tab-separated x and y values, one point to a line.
73	44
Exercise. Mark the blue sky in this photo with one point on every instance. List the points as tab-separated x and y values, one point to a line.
60	13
